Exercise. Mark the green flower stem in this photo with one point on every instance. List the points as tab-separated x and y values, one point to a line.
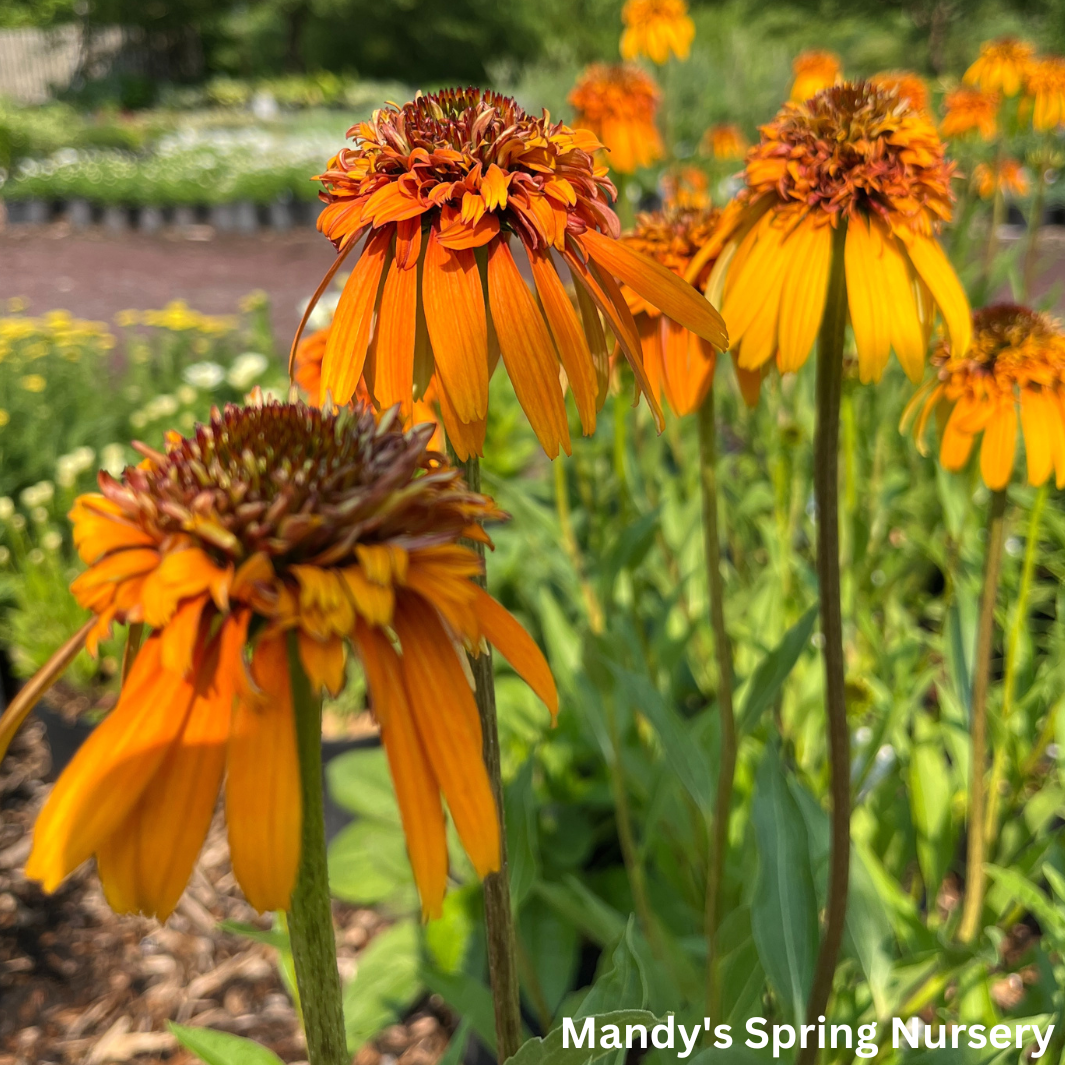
1031	251
1009	682
974	860
573	548
718	825
310	920
826	491
498	918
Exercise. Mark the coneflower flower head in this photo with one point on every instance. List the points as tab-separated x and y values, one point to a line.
814	70
1001	66
968	110
1016	362
724	141
272	520
854	154
1006	175
440	187
656	28
1045	93
677	362
907	84
618	103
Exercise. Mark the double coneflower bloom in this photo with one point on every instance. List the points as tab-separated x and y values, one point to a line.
724	141
1002	66
656	28
968	110
1005	175
277	529
1015	364
443	189
854	155
677	362
618	103
907	84
1045	88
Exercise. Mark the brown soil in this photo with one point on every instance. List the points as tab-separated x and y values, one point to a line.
81	985
94	274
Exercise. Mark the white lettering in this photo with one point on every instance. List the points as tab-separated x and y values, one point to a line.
1043	1041
867	1047
998	1033
570	1032
899	1029
689	1044
753	1029
778	1044
668	1029
630	1028
723	1036
976	1031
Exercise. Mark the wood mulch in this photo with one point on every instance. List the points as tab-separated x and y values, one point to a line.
80	985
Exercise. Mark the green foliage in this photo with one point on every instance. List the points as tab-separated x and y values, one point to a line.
221	1048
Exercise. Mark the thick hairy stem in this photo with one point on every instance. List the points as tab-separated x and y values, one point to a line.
310	920
1009	681
498	918
717	835
969	928
826	491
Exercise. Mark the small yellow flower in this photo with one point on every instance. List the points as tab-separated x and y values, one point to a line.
4	417
1001	66
17	304
656	28
34	382
254	301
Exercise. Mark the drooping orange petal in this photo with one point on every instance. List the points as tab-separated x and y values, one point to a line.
527	350
688	367
100	528
323	662
802	294
349	336
180	575
396	325
569	336
750	382
446	720
511	640
933	266
372	601
458	329
957	445
659	286
999	445
1037	425
180	634
866	299
593	332
263	803
467	438
417	790
103	782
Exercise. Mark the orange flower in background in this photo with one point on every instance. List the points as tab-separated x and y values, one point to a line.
687	186
442	189
814	71
1045	93
618	103
968	110
1001	66
907	84
277	527
307	374
1016	364
1007	176
853	155
678	363
724	141
656	28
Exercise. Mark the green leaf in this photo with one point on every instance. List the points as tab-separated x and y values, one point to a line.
598	920
930	789
550	1051
784	907
468	997
221	1048
1046	912
523	853
628	550
624	984
271	937
360	782
386	983
448	937
456	1047
773	670
368	864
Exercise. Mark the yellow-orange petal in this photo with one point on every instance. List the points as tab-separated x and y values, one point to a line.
445	716
527	351
181	575
999	445
957	444
349	336
323	661
458	328
417	790
372	601
100	527
103	782
1037	425
180	634
802	294
569	336
396	325
510	639
933	266
659	286
869	310
263	803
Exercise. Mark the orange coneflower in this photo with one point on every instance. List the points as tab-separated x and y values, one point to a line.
1016	362
1001	66
618	103
439	188
655	28
307	374
1007	176
857	155
677	362
1045	93
814	71
969	109
910	86
687	186
276	521
724	141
